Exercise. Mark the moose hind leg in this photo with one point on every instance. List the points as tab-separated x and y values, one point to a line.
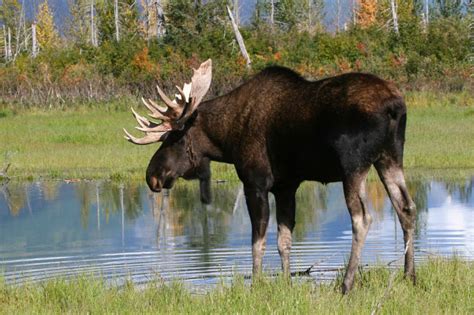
356	199
285	213
257	204
393	179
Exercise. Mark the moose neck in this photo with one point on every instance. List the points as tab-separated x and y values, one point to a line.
210	130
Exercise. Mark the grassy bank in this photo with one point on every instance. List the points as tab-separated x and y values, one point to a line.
87	142
444	287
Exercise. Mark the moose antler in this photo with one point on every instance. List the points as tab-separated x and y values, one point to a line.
177	111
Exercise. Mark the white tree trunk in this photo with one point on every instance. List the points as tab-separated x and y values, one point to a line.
93	28
160	19
116	14
147	8
310	9
354	10
34	43
25	35
427	13
338	15
272	12
5	43
9	46
394	16
18	32
239	38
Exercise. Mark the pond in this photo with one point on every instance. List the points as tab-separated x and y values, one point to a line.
123	231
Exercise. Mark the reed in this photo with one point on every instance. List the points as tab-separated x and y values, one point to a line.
444	287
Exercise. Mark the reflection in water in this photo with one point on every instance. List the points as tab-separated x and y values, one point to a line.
120	230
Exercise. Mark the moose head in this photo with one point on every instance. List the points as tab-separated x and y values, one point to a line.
175	157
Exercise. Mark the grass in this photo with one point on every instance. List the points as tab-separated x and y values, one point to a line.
444	287
87	142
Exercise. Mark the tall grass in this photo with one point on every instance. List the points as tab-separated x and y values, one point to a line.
87	141
444	287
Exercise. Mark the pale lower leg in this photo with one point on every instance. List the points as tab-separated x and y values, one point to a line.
355	193
284	247
394	181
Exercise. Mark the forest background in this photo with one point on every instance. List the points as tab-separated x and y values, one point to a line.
120	49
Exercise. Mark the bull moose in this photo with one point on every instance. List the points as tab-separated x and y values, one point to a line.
279	129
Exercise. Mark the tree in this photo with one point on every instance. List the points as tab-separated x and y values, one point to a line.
186	20
10	13
127	19
105	21
79	24
288	13
314	16
366	13
448	8
407	13
153	18
46	32
302	15
11	17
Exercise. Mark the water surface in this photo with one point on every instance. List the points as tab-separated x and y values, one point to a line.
125	232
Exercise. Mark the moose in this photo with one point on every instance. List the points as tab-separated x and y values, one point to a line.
278	130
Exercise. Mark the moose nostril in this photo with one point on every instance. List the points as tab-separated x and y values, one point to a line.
153	183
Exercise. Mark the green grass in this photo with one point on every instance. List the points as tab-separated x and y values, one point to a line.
87	142
444	287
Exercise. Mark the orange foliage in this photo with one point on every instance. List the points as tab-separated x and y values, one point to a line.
141	60
398	61
362	48
366	13
242	62
76	73
343	65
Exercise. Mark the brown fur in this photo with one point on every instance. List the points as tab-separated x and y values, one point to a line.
279	130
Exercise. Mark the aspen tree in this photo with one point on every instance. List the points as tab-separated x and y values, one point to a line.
46	32
366	13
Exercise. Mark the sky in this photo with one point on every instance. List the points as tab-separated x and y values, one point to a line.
61	12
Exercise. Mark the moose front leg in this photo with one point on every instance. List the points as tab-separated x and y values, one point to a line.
257	204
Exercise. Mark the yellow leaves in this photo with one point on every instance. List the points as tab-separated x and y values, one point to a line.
46	32
366	13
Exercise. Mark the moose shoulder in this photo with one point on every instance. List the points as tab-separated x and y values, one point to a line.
279	129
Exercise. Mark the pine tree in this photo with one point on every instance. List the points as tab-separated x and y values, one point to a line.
128	19
46	32
79	24
408	11
366	13
288	13
448	8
